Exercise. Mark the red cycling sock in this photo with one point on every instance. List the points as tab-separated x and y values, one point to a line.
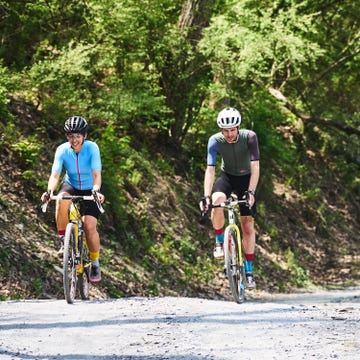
249	257
61	233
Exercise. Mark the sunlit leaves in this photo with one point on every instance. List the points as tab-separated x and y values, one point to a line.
257	43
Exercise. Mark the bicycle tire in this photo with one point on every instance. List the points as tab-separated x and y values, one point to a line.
84	284
235	270
84	275
69	266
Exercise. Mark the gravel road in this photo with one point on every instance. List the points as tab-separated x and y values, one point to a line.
319	325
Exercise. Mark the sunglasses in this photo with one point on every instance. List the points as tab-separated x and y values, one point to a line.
73	136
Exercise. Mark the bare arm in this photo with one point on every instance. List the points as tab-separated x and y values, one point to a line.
254	178
255	174
52	183
97	184
209	180
96	180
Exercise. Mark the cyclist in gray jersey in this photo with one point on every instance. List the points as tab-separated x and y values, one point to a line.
240	170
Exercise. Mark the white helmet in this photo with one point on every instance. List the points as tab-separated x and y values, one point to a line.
228	118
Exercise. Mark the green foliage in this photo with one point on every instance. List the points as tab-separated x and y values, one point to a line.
264	118
188	248
151	89
199	272
164	250
28	150
114	292
313	194
5	257
66	74
28	174
8	134
7	86
263	45
37	285
299	276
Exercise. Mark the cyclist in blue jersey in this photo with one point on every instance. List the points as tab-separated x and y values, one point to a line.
240	170
82	163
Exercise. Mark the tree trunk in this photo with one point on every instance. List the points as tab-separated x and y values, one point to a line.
182	92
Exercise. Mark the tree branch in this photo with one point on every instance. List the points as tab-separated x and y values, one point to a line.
308	118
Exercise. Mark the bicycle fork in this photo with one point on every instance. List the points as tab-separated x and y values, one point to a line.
231	215
239	248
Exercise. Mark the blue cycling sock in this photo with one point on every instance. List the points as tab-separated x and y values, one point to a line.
219	238
248	266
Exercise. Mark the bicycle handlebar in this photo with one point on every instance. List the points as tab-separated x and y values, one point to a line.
92	197
230	203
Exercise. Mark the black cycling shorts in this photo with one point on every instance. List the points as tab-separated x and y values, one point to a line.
228	184
87	207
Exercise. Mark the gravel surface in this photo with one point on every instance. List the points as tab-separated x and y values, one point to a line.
319	325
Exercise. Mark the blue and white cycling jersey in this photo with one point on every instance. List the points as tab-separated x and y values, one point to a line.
78	167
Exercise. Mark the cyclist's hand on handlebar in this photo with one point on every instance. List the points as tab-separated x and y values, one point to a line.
99	195
204	204
250	198
45	197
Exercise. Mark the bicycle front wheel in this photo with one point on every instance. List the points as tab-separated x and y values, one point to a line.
234	267
84	284
69	266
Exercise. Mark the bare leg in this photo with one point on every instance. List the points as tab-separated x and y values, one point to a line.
93	241
217	214
248	234
92	235
61	213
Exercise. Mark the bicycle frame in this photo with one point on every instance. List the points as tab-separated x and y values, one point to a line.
238	237
230	206
76	219
76	262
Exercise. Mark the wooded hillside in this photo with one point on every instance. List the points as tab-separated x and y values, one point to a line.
150	77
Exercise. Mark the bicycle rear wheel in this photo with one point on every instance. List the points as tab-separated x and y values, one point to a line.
235	270
84	274
69	267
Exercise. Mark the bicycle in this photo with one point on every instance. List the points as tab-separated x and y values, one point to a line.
76	258
234	260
